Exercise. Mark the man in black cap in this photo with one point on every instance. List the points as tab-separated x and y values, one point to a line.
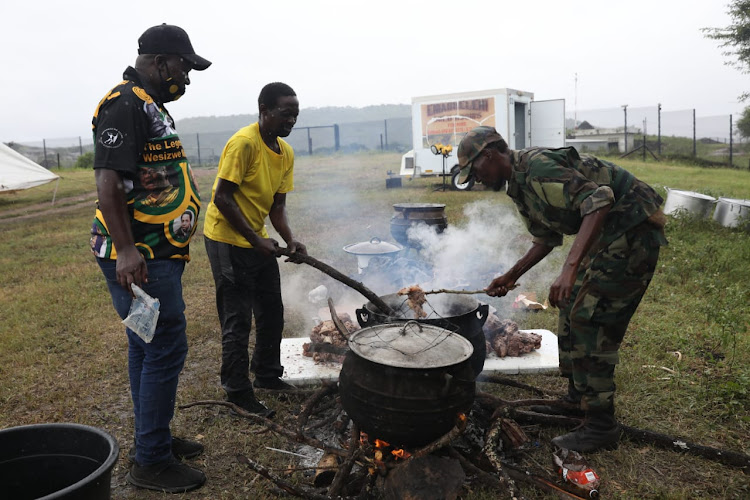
135	242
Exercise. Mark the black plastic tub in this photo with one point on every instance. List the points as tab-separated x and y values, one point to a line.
56	461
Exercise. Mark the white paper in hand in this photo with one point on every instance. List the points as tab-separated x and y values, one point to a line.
143	315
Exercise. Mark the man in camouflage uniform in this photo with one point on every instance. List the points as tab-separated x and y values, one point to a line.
618	225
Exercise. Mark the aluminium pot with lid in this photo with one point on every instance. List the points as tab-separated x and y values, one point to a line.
731	212
366	250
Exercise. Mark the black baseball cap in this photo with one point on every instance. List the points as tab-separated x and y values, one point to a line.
170	39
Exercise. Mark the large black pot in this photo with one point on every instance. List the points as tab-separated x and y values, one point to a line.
417	401
56	461
411	214
462	314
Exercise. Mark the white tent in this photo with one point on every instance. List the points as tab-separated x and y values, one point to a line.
18	172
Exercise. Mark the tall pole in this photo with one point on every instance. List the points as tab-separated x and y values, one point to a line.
44	145
575	104
198	141
385	122
625	109
694	142
658	139
730	140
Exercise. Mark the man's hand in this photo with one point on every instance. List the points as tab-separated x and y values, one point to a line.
500	286
562	288
266	246
131	268
296	247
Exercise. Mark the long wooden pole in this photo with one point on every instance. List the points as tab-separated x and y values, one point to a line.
337	275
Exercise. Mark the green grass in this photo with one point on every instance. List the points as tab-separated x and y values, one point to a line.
63	352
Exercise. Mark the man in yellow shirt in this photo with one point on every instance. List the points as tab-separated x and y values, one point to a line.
255	173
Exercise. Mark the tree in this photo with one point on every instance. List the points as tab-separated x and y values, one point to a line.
735	38
86	160
743	124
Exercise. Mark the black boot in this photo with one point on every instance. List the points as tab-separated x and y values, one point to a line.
599	431
573	397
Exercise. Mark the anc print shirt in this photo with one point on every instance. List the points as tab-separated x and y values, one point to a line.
135	135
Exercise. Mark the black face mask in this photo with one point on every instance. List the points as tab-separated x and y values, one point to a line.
169	90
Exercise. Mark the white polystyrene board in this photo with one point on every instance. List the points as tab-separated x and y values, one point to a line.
302	370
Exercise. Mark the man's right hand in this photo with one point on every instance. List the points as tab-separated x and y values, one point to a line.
266	246
500	286
131	268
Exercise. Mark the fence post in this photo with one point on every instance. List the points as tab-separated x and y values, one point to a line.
336	144
730	140
658	126
695	151
198	141
625	109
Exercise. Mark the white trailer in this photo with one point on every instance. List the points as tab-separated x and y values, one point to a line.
445	119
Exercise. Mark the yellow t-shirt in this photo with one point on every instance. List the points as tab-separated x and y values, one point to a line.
260	173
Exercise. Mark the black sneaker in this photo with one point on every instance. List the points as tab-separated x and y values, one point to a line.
248	402
182	449
171	476
273	384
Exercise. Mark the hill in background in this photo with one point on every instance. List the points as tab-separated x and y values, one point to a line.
308	117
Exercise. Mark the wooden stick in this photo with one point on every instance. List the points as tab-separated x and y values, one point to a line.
337	275
466	292
492	443
309	405
284	485
343	473
497	379
508	408
457	430
294	436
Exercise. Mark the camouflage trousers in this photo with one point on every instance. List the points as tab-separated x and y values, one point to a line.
610	284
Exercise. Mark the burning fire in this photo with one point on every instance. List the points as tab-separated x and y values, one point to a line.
382	449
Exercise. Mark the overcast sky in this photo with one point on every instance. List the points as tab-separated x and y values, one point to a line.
60	58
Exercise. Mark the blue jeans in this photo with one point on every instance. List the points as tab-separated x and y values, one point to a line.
154	368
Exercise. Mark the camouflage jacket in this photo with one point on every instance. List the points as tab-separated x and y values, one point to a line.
555	188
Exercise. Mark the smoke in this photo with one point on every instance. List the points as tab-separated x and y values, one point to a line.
473	253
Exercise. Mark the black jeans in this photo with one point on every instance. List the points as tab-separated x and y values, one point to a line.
247	284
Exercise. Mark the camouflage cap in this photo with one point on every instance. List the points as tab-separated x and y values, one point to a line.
472	144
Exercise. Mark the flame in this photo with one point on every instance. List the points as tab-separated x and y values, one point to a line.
401	453
379	443
462	417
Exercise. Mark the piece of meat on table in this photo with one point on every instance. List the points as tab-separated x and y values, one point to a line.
326	334
505	339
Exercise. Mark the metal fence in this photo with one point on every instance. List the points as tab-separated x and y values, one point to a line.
393	134
655	132
648	131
